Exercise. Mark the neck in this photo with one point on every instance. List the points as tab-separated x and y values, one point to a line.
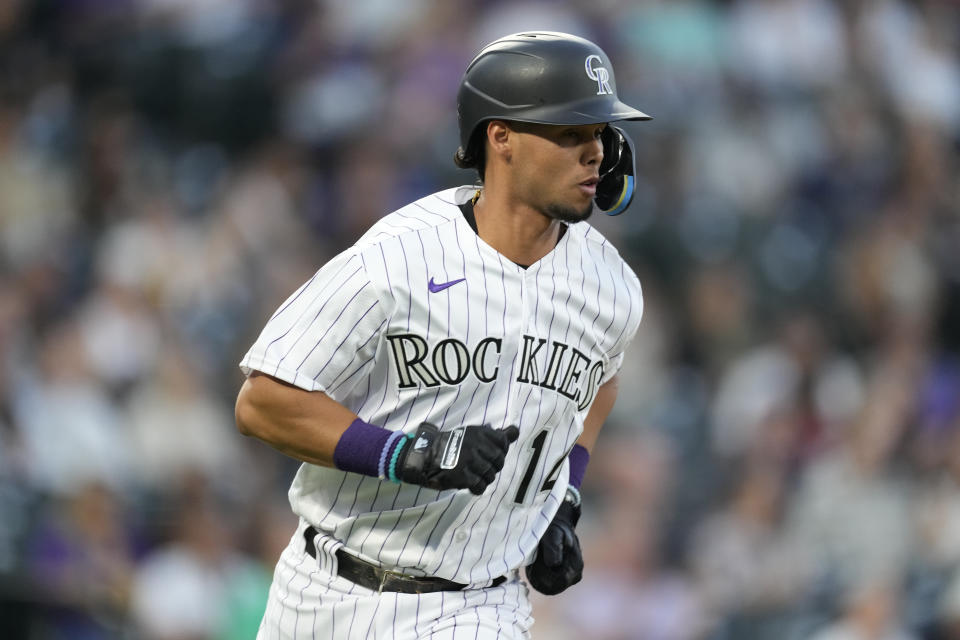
517	231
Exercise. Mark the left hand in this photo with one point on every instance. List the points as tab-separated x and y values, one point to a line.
559	563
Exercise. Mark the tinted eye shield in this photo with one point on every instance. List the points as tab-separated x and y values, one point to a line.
617	184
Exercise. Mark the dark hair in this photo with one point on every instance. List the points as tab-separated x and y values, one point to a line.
475	155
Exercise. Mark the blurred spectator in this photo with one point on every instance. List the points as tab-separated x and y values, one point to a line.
789	44
938	509
120	337
946	621
720	313
890	280
70	429
245	598
629	591
185	588
931	590
37	213
167	167
912	47
870	613
178	431
852	511
797	373
749	573
81	559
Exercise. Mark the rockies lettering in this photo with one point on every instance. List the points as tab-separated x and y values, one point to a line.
565	369
452	360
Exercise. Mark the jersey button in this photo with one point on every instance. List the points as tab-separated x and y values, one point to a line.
461	536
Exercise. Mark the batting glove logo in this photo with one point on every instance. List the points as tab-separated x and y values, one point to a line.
595	71
451	454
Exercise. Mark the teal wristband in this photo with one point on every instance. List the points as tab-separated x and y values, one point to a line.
392	468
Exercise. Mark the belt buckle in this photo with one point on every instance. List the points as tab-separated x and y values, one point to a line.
385	575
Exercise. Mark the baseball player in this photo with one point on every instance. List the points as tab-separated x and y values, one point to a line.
444	379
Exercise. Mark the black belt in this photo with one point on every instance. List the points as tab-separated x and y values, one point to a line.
372	577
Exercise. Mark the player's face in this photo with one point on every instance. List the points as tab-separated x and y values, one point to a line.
557	168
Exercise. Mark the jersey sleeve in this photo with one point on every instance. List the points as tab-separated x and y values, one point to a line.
326	332
633	310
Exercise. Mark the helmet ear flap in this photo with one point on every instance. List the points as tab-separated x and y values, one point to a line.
616	186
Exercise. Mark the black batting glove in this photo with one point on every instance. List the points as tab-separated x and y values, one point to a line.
462	458
559	563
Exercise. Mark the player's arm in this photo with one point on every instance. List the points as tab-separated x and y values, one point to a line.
313	427
559	563
305	425
599	410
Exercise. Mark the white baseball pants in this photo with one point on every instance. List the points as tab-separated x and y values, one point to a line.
307	600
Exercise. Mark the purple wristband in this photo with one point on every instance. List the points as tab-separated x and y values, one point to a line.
579	457
359	448
385	455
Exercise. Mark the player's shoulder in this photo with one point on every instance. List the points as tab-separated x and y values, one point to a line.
430	211
399	238
604	253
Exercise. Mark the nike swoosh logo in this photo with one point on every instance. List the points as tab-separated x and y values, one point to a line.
434	287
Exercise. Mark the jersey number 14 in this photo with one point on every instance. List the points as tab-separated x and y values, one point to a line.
551	478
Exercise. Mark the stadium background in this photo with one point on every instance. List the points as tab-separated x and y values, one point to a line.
784	458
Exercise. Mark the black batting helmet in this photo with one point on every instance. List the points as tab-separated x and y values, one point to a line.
549	78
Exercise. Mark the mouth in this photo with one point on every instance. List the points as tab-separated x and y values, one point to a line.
589	186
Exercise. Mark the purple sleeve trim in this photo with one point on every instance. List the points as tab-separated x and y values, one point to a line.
385	454
359	448
579	457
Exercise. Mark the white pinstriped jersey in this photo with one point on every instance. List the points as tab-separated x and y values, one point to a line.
421	320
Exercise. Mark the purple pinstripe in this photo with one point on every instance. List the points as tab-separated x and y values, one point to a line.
284	334
332	325
410	526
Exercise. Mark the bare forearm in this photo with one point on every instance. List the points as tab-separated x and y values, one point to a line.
301	424
602	405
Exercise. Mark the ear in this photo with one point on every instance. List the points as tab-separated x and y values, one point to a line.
499	139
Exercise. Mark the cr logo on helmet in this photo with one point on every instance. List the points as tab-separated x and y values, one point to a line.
600	74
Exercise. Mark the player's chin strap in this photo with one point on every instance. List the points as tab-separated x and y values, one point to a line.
616	187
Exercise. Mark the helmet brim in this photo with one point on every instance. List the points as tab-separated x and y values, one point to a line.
584	112
588	113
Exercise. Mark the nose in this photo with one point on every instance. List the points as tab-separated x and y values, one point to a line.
593	152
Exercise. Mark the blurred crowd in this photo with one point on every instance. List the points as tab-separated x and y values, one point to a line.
784	458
